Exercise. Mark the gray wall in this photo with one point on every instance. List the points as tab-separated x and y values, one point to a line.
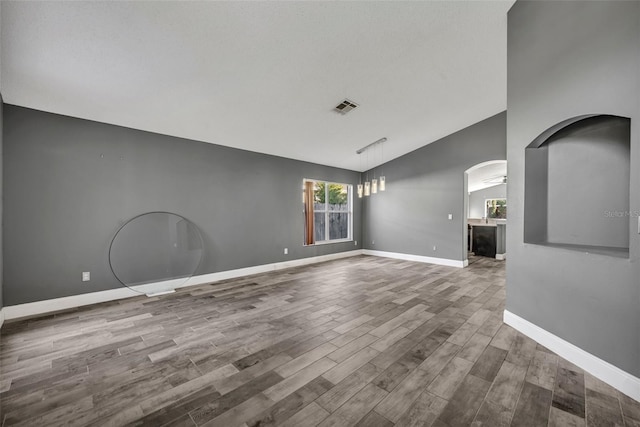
567	59
588	173
1	201
477	198
1	191
71	183
424	186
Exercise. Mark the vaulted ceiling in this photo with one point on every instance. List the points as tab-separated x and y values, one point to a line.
263	76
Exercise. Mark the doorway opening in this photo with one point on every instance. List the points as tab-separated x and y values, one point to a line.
485	211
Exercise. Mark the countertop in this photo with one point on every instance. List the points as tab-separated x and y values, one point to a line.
481	222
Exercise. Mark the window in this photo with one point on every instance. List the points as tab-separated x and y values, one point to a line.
495	208
327	212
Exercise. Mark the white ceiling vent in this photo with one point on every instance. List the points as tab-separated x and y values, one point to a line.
345	106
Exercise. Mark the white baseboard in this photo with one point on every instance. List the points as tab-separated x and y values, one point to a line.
1	317
20	311
30	309
14	312
501	257
232	274
610	374
417	258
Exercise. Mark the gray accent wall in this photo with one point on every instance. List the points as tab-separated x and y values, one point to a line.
568	59
424	186
1	201
70	184
477	199
588	174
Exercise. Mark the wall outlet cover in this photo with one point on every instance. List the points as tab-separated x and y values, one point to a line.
86	276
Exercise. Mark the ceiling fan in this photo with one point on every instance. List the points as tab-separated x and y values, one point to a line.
500	179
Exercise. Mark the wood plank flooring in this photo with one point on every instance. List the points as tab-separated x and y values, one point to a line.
362	341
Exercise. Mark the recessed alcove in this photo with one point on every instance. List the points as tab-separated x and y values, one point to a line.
577	186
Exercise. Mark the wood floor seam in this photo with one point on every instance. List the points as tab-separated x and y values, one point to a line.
363	341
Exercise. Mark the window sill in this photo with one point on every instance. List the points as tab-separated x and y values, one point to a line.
592	250
330	242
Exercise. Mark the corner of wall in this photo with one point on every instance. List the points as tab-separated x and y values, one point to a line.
1	204
604	371
556	54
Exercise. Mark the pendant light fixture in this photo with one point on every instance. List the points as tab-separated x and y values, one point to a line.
382	178
360	186
367	184
375	184
374	181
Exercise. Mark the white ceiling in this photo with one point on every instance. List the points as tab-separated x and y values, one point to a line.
263	76
487	176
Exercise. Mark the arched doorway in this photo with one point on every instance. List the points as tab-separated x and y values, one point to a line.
485	210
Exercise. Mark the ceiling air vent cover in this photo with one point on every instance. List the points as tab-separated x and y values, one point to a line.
345	106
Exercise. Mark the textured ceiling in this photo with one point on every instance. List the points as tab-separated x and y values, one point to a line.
263	76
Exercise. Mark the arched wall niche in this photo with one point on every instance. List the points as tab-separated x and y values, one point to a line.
577	177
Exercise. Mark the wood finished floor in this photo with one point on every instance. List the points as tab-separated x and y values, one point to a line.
362	341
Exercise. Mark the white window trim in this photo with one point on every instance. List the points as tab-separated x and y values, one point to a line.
349	211
330	242
486	214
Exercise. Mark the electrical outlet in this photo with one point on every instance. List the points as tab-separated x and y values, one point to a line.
373	242
435	248
86	276
286	251
355	242
450	216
